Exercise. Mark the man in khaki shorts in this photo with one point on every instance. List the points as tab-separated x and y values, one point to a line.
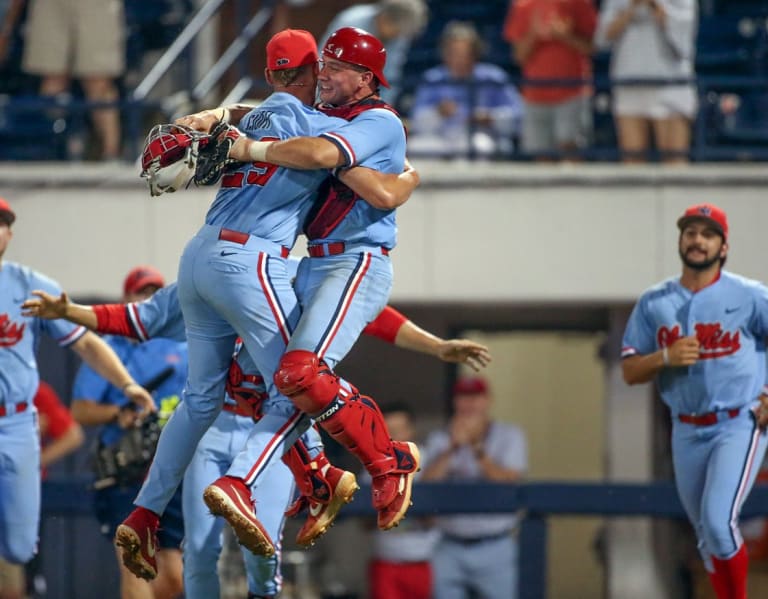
84	39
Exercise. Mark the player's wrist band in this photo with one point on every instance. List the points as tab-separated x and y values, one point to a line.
225	115
665	356
257	150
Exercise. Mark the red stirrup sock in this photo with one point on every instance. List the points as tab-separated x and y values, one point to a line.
733	572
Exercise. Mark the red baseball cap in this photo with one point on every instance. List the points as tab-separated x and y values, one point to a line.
291	48
710	213
470	386
141	277
6	214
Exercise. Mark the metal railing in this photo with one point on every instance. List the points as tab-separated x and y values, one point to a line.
535	501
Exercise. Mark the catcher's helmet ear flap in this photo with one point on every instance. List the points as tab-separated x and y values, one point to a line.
357	46
169	157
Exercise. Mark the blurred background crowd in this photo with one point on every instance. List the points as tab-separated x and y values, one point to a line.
629	80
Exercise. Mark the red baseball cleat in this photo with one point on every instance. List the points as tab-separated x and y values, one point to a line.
392	491
137	537
322	511
229	498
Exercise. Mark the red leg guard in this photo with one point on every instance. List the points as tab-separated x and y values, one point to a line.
733	572
356	422
306	380
308	473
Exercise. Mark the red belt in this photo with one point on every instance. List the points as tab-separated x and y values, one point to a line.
15	409
707	419
237	410
332	249
242	239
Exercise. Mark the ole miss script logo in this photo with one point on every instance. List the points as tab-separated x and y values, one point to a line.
714	342
10	332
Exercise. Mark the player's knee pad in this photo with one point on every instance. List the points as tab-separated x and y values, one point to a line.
305	379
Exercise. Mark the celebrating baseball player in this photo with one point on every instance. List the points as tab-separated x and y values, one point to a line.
347	280
702	337
19	379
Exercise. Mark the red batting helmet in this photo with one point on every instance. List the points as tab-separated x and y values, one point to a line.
357	46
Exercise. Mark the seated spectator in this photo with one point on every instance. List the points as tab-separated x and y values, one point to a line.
552	40
653	40
464	106
83	39
395	23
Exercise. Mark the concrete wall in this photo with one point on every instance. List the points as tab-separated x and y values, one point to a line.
473	232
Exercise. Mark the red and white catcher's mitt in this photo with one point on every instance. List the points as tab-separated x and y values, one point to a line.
169	157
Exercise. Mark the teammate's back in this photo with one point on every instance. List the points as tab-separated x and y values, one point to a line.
264	200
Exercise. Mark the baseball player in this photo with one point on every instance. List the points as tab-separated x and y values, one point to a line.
701	337
161	365
347	280
19	379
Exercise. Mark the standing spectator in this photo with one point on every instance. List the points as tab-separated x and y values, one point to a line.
478	554
19	380
83	39
395	23
60	435
651	40
400	565
552	40
701	337
163	363
464	106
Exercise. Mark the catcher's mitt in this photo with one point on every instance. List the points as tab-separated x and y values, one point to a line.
169	156
213	160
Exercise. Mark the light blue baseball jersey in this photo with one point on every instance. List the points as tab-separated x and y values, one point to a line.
275	212
729	319
374	139
19	335
158	316
19	433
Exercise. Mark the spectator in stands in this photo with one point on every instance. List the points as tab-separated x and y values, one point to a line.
478	554
160	365
552	40
83	39
651	40
400	565
395	23
60	435
464	106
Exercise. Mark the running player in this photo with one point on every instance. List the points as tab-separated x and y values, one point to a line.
701	336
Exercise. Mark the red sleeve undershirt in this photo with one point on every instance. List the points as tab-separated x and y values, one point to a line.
113	320
386	325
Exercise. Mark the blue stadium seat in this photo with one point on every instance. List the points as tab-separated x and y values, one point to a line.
28	133
728	45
